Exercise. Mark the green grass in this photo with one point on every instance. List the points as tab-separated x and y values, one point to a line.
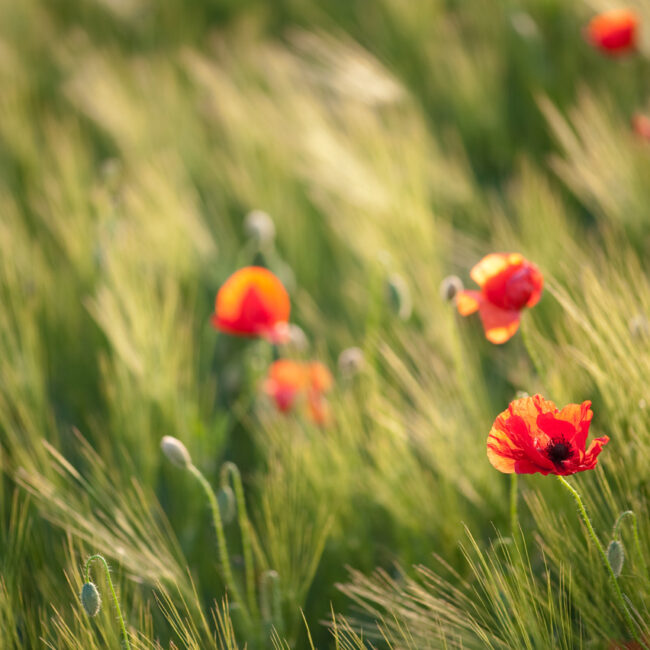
405	138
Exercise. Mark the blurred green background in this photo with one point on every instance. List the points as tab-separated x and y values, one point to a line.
394	138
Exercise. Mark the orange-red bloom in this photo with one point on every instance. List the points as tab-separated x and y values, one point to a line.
508	284
253	302
532	436
641	126
615	32
290	381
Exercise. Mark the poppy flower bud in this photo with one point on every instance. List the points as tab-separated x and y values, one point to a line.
226	501
524	25
297	340
90	599
639	326
399	296
450	287
259	228
616	556
641	126
175	451
351	362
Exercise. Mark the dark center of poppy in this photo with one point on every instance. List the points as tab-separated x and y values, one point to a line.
557	450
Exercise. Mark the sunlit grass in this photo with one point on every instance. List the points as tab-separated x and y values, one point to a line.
405	141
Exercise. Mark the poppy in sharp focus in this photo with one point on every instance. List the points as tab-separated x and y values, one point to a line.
508	283
533	436
614	32
641	126
253	302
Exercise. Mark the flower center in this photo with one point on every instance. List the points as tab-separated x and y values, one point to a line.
557	450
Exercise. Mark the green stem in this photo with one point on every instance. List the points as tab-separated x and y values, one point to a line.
635	532
514	517
127	645
603	555
222	547
244	527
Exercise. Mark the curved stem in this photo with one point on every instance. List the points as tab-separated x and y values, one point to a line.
514	517
603	555
112	588
222	547
635	532
231	469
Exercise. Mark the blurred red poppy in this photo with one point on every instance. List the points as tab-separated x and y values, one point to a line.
253	302
614	32
641	126
508	284
290	381
285	381
533	436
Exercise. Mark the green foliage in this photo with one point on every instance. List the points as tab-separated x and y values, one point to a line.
403	140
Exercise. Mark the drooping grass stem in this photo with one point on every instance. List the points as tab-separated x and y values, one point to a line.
592	533
127	645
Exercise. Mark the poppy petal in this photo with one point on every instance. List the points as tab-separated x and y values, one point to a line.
579	415
594	450
467	302
492	265
537	280
252	302
499	324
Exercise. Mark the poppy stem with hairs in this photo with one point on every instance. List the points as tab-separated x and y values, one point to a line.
222	547
127	645
230	469
514	517
635	530
603	555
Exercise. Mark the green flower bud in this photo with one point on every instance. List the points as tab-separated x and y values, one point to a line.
175	451
90	599
351	361
399	296
616	556
450	287
259	227
227	505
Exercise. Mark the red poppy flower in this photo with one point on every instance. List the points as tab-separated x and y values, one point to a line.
615	32
289	381
641	126
533	436
508	284
253	302
285	381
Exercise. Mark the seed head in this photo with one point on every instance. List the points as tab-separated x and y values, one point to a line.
175	451
90	599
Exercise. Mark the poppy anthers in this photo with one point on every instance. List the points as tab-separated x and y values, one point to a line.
253	302
533	436
508	283
614	32
289	381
